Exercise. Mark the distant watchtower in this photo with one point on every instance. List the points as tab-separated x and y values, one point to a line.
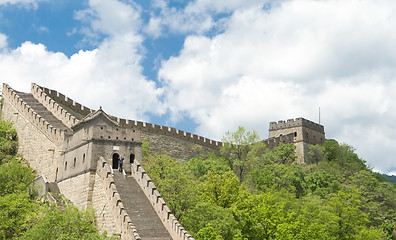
305	133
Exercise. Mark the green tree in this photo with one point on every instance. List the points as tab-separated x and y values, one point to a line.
200	166
322	183
205	215
8	141
316	154
236	149
222	190
15	177
208	233
349	220
67	224
17	213
285	153
174	181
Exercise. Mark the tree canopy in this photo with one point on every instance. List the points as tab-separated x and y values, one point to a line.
249	191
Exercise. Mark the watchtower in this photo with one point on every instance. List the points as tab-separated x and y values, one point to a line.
305	133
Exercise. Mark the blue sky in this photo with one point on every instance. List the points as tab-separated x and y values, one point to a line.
210	66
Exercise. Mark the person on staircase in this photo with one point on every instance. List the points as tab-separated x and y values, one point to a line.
121	161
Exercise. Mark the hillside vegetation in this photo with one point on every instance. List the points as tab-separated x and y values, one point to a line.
252	192
25	216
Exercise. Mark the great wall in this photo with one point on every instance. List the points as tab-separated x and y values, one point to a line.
76	149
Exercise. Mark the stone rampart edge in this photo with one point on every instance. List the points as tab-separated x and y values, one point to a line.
273	142
128	230
171	132
290	123
170	222
53	133
57	110
143	126
57	96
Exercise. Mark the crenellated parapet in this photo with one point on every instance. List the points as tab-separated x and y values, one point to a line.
54	107
53	133
78	109
128	230
171	132
298	122
75	111
170	222
273	142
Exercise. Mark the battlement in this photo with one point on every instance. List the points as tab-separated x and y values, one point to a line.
123	219
168	131
57	110
78	110
53	133
168	219
298	122
51	98
273	142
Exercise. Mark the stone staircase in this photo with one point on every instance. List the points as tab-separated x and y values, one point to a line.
42	111
139	209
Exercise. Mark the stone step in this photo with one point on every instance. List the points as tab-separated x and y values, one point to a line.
42	111
143	216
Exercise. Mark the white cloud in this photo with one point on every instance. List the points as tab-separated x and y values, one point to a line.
109	75
154	27
25	3
3	42
285	62
392	173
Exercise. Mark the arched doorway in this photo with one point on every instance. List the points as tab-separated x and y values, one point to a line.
115	160
132	158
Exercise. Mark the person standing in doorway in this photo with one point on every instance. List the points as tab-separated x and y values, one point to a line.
121	161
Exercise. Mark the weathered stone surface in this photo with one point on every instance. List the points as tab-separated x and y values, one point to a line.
176	148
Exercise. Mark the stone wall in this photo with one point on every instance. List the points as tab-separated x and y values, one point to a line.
41	153
103	209
53	133
176	148
303	132
76	189
114	205
170	222
56	109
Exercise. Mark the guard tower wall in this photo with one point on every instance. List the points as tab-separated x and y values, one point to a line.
305	133
96	140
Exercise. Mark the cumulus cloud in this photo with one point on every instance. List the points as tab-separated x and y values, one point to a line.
286	61
110	75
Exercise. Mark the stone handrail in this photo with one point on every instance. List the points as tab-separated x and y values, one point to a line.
170	222
128	230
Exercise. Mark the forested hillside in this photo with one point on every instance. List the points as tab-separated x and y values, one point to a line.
251	192
391	178
25	216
